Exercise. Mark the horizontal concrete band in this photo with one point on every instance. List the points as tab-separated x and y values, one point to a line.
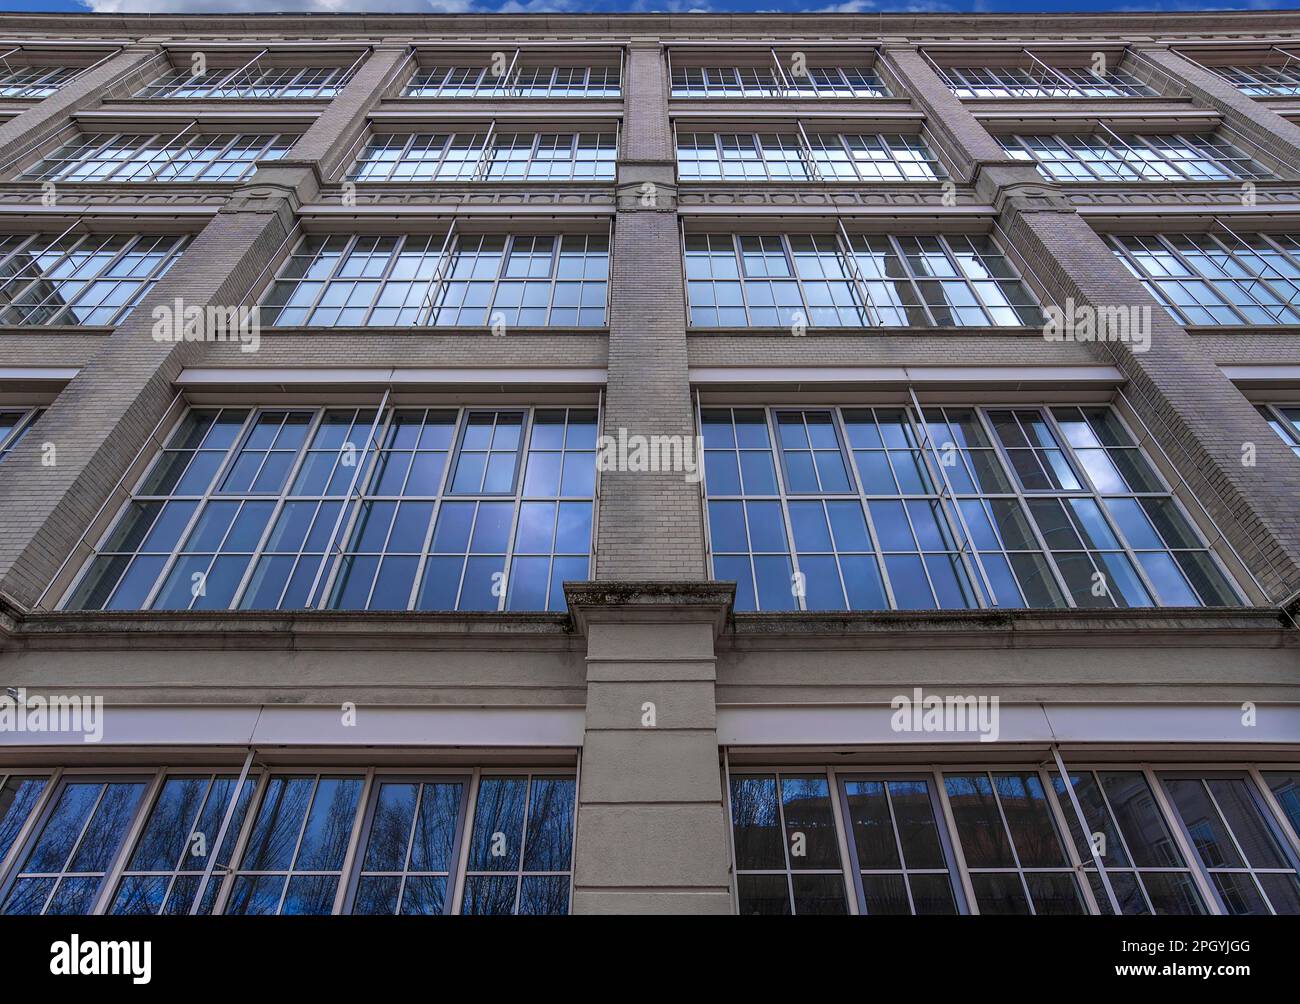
243	377
784	725
274	725
1053	376
778	725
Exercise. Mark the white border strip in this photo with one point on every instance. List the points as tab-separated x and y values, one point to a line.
823	725
1261	374
26	373
278	725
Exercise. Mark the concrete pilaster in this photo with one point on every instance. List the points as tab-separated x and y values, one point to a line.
651	829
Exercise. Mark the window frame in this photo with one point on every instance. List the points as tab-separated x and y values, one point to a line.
935	770
1163	243
946	498
336	553
846	253
439	280
155	775
69	246
138	150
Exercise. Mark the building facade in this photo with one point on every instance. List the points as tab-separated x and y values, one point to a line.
678	464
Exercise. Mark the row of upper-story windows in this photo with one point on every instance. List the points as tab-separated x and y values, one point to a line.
505	155
820	280
380	842
827	280
947	840
804	156
515	78
958	507
807	508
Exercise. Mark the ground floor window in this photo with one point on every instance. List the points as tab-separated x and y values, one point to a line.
284	841
1015	840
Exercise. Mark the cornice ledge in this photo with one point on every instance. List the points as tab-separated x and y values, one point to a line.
650	601
1181	627
273	630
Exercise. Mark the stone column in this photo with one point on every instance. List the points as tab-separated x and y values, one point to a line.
651	829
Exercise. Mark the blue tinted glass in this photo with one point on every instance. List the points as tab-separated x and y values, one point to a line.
498	824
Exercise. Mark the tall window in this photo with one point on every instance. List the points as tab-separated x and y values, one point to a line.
1099	157
1040	82
144	157
179	841
770	82
873	508
1240	846
250	81
551	156
1285	420
970	839
711	156
274	508
407	281
34	81
1146	869
524	82
14	425
1263	81
1014	854
786	850
382	841
1202	279
63	869
875	281
80	278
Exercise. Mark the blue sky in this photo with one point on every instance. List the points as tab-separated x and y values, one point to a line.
640	6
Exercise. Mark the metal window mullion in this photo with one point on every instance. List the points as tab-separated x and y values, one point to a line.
898	844
851	262
1067	448
399	245
1211	281
226	819
351	856
864	501
806	149
801	599
922	426
1280	275
1068	783
460	867
426	549
521	461
260	787
1113	819
337	544
435	280
785	839
14	298
1247	866
113	870
954	841
290	870
1275	807
1022	502
1141	168
482	166
203	499
1173	822
897	249
259	549
1011	842
72	849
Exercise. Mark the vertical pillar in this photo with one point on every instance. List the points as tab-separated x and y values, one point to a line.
651	523
651	830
